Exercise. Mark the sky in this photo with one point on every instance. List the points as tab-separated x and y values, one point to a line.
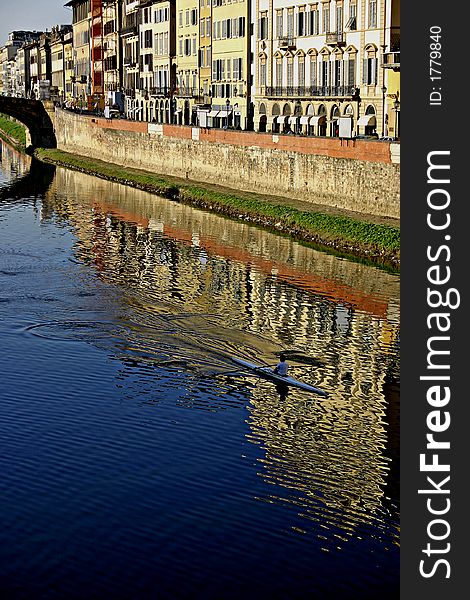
31	14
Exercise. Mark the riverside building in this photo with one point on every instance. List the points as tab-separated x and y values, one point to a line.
157	44
231	55
319	62
187	62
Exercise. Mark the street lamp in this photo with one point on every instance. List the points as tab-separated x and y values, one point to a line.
396	107
384	91
227	105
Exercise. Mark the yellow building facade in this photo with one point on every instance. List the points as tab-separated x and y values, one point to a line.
187	61
230	64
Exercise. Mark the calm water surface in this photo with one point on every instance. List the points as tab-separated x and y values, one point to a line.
136	463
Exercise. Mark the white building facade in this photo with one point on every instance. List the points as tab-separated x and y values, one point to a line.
318	64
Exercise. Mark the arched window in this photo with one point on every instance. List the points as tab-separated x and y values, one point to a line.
286	110
262	70
279	72
290	72
312	70
350	65
301	70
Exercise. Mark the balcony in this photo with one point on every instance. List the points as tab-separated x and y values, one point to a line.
287	43
129	92
391	60
130	30
316	91
160	91
335	39
187	92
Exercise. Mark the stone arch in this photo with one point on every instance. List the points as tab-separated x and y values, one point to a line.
286	110
275	111
36	116
167	111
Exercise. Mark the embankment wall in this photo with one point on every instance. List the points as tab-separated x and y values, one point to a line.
359	176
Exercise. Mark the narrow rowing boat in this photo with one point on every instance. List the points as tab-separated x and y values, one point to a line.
269	374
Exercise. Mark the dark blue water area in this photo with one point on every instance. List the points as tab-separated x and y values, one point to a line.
121	480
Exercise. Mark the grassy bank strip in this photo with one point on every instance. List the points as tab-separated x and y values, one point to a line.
379	243
14	132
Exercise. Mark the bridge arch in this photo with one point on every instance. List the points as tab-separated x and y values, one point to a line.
35	116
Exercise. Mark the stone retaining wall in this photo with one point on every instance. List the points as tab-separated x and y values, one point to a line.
352	175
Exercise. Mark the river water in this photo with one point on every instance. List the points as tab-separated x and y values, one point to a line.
136	460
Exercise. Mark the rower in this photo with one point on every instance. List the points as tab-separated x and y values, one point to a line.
281	367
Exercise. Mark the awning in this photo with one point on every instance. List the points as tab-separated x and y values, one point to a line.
333	120
213	113
305	119
280	119
367	120
293	119
317	119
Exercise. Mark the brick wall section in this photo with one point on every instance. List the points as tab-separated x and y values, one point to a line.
355	176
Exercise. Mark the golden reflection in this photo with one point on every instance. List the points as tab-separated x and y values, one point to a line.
199	288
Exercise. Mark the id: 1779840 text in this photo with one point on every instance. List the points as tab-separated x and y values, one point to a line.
435	65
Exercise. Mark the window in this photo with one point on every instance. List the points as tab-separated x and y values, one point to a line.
237	69
290	23
351	24
301	24
181	19
263	26
324	72
301	74
369	74
279	72
194	46
339	19
202	27
290	71
337	73
208	27
262	71
313	21
279	23
148	38
326	18
372	14
194	16
350	72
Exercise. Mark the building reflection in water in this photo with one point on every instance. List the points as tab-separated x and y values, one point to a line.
197	288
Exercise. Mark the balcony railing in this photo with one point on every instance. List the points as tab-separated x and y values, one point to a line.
160	91
391	60
130	92
325	91
186	92
130	30
335	39
287	42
